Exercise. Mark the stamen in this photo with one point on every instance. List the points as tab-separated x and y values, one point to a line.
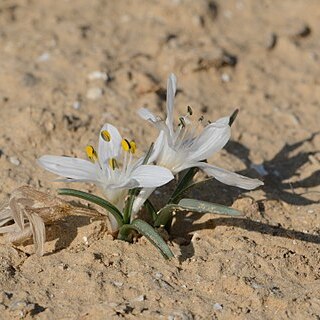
133	146
201	119
105	135
190	110
233	117
91	153
182	122
126	146
113	163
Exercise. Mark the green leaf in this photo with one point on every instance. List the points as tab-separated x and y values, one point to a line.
151	209
208	207
148	155
151	234
129	203
95	199
183	184
165	214
134	192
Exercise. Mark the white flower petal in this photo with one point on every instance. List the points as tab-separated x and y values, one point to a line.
76	169
143	195
112	148
157	148
147	115
230	178
212	139
149	176
171	91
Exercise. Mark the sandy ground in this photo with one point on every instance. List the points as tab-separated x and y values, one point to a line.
260	56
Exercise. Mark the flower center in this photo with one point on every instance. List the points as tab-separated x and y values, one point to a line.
118	167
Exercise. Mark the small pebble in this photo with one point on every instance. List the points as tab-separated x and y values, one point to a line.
94	93
44	57
140	298
117	284
158	275
298	29
304	31
218	306
98	75
49	125
271	41
76	105
225	77
85	240
195	237
15	161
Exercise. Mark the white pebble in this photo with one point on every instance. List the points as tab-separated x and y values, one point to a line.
117	284
98	75
140	298
15	161
44	57
218	306
76	105
94	93
225	77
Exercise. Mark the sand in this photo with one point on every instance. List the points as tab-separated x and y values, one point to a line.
67	67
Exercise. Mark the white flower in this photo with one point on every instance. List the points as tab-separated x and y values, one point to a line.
181	148
112	167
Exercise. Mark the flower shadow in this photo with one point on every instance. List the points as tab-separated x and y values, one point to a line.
283	166
187	227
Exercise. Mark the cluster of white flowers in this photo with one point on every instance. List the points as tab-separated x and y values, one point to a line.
114	168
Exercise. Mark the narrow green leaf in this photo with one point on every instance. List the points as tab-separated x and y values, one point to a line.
151	209
164	215
95	199
134	192
188	187
183	184
151	234
129	203
208	207
148	155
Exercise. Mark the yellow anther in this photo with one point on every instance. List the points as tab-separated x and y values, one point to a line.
91	153
105	135
126	146
133	146
113	163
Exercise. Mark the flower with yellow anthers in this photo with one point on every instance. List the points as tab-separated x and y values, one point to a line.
181	148
112	167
